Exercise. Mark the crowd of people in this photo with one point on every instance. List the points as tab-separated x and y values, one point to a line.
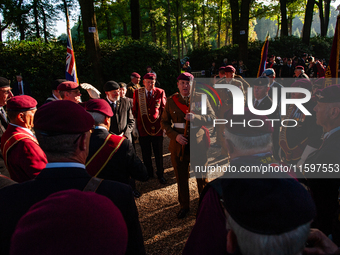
68	168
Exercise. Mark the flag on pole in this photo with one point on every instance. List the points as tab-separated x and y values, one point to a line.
333	65
264	54
71	71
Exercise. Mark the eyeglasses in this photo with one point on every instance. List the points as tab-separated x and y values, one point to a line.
7	91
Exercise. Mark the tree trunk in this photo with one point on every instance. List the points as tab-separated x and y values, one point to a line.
44	24
193	25
203	16
182	38
244	27
290	25
198	35
219	22
308	21
36	18
235	21
177	29
322	21
78	28
278	26
284	22
135	20
226	32
326	15
168	29
152	24
92	39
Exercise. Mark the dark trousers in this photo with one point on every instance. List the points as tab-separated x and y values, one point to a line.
157	146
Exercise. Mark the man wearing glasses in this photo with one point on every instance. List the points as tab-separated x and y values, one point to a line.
70	91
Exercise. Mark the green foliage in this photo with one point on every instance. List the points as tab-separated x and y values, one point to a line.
40	63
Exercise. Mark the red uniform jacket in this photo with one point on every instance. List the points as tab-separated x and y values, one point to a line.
149	117
22	154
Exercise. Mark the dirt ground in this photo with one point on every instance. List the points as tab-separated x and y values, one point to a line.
158	206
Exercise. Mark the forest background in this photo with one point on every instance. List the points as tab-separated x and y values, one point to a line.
130	35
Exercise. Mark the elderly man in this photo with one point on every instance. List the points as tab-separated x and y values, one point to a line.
299	73
63	130
325	191
133	85
5	94
122	121
273	213
176	113
270	73
111	157
70	91
22	154
148	105
20	87
55	92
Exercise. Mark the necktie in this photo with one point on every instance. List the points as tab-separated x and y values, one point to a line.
149	95
256	104
20	88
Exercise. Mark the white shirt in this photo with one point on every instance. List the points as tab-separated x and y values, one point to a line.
26	129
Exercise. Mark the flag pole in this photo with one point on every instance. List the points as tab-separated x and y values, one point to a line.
264	53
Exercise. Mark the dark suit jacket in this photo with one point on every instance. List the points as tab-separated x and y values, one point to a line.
123	164
16	199
122	120
3	127
27	89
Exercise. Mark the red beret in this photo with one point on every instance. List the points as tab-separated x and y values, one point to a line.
221	68
21	103
329	94
303	83
230	68
319	83
71	222
240	130
63	117
136	75
67	85
149	76
185	77
300	68
99	105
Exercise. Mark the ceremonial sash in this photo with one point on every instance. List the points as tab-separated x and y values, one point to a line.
102	156
294	153
10	142
143	108
185	110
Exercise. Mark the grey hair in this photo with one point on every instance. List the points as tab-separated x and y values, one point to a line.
289	243
245	143
98	117
62	94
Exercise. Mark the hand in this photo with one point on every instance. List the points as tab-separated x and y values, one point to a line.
93	92
321	244
189	116
181	139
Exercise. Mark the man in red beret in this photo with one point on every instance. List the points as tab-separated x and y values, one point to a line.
23	156
133	85
174	118
5	94
272	210
324	184
298	142
63	130
148	105
299	73
111	157
70	91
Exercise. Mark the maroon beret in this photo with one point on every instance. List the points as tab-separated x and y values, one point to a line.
4	82
185	77
71	222
222	68
300	68
230	69
303	83
247	130
67	85
21	103
149	76
329	94
62	117
136	75
319	83
99	105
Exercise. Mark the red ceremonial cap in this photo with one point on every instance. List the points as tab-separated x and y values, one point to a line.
221	68
303	83
247	130
185	77
71	222
100	106
21	103
136	75
230	69
62	117
329	94
149	76
300	68
67	85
